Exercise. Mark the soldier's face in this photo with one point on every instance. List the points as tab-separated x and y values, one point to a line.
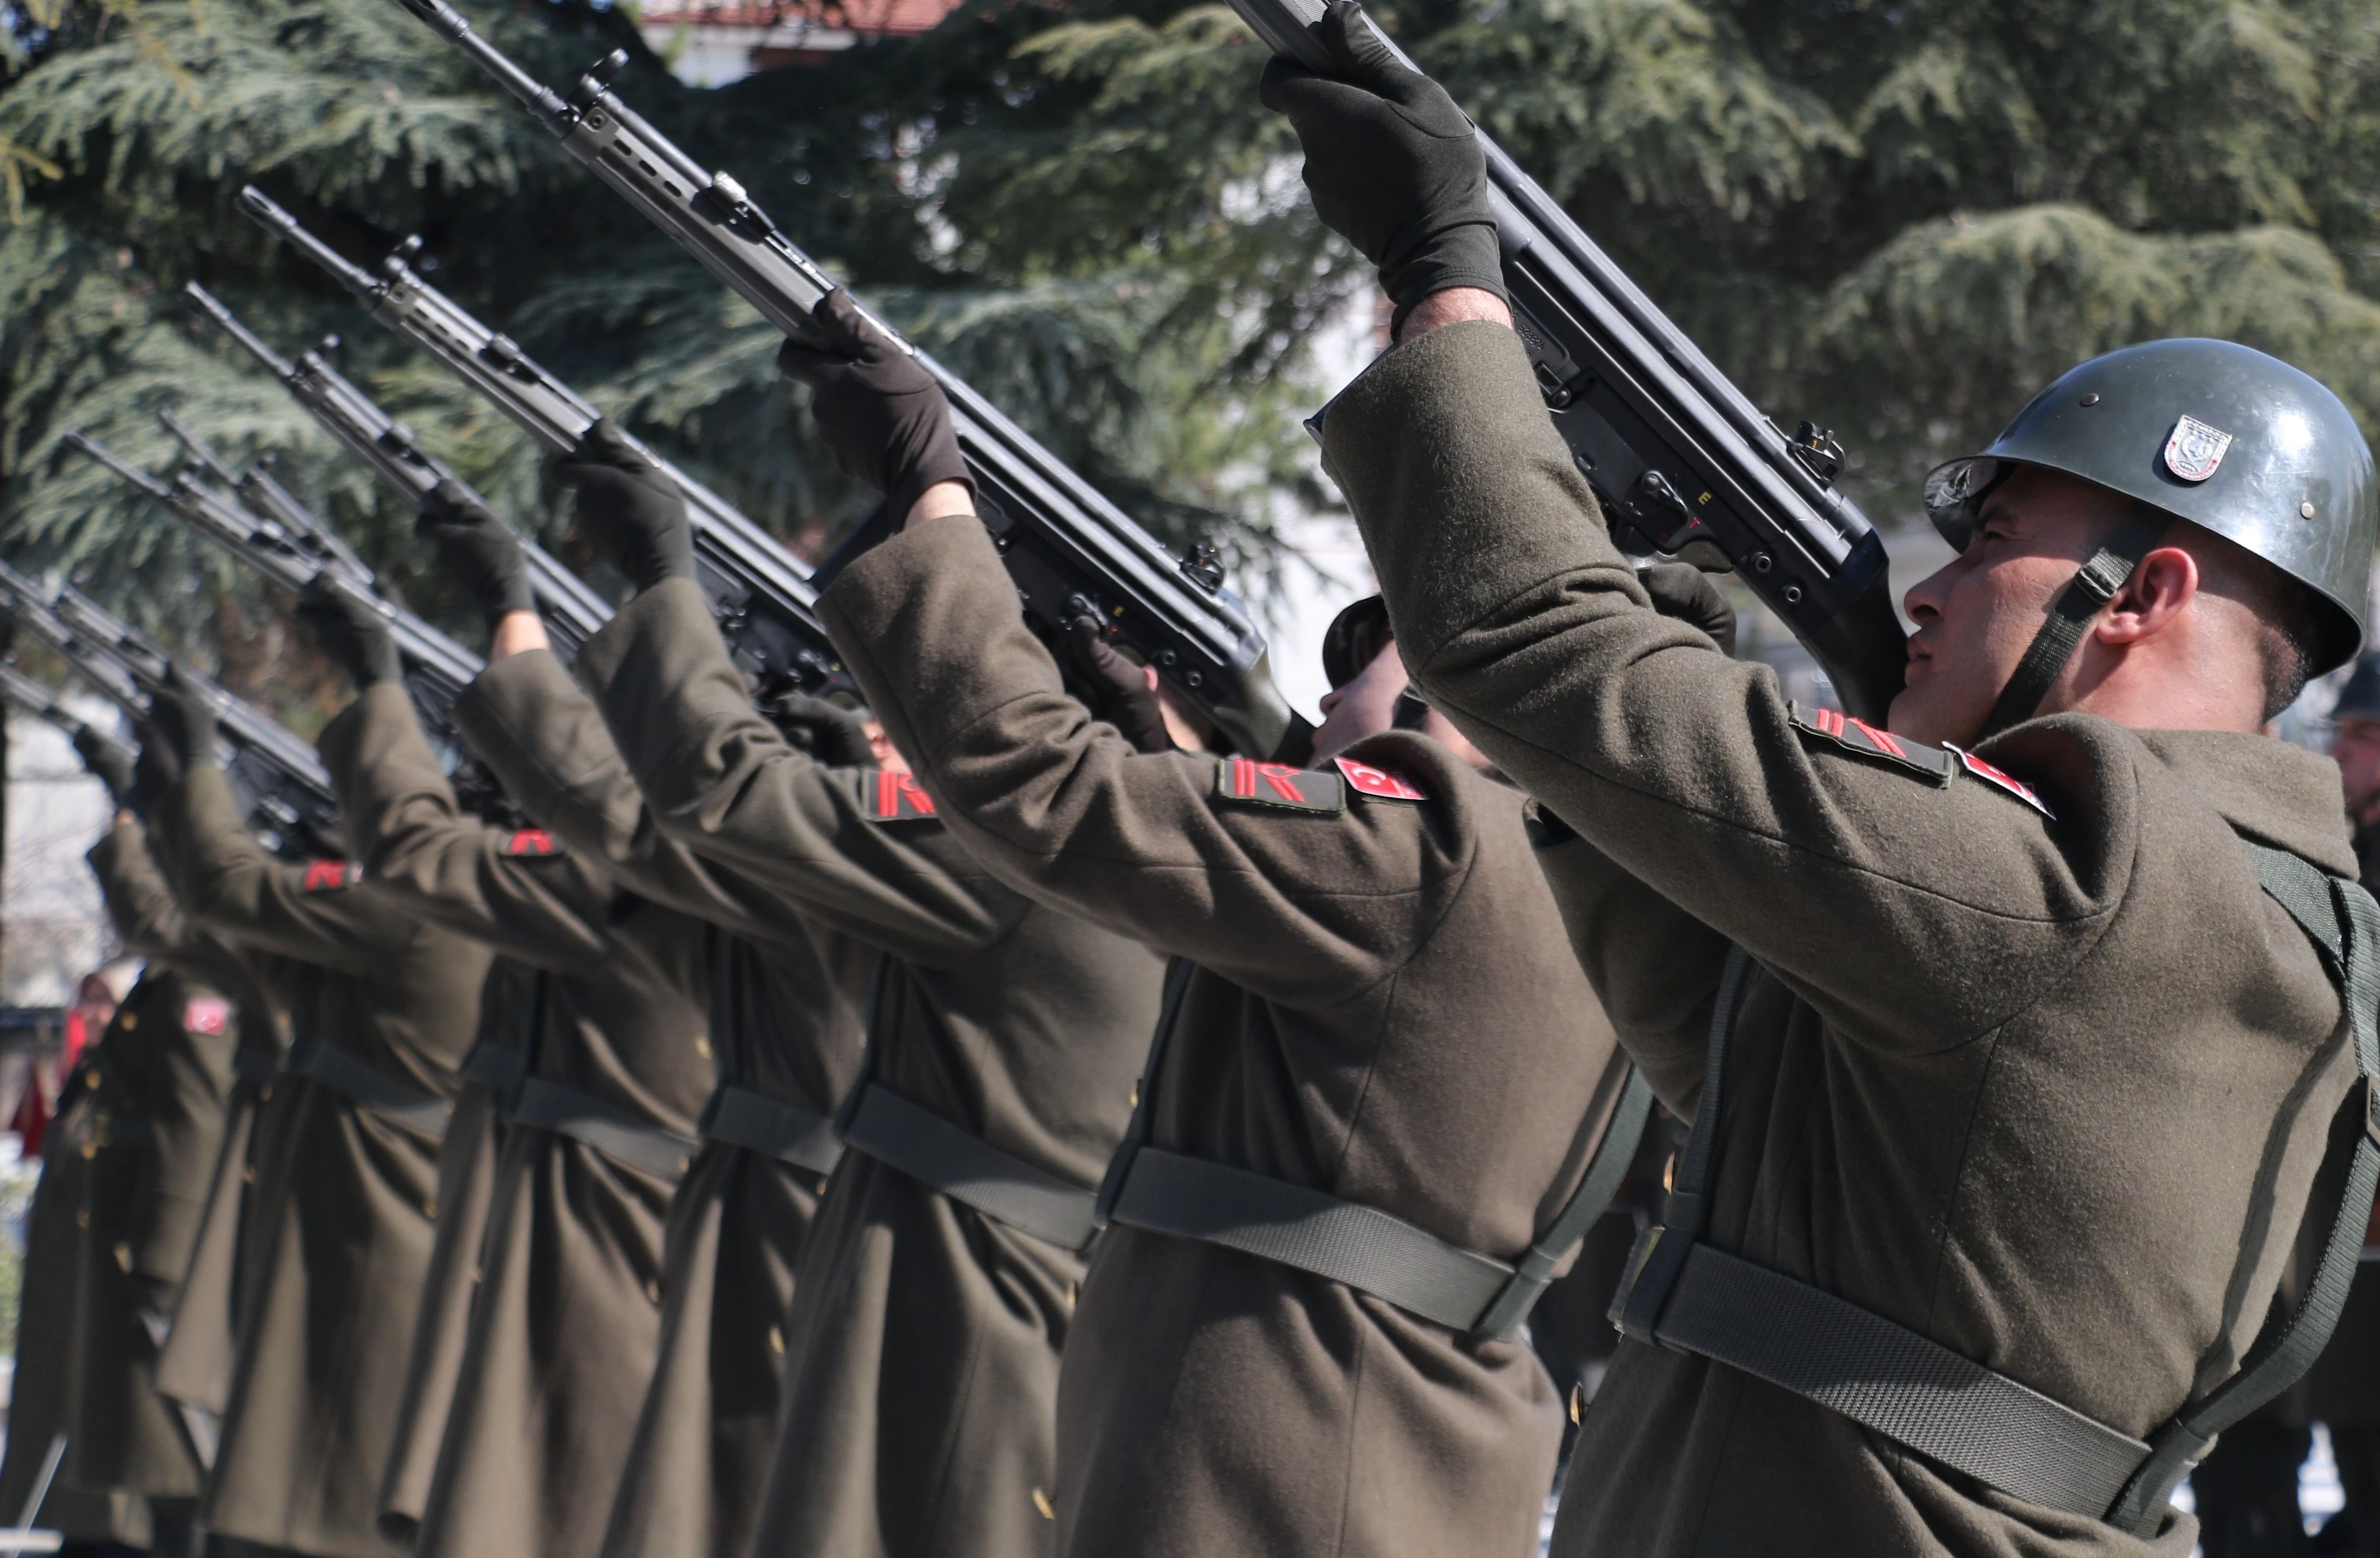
1977	617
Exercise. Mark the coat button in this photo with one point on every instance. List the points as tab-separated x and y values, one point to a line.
1041	1501
702	1047
776	1340
82	1217
653	1290
130	1021
124	1258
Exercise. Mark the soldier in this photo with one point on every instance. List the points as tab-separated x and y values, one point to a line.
1376	1035
156	1128
563	1331
42	1392
337	1224
2009	1092
939	1278
786	997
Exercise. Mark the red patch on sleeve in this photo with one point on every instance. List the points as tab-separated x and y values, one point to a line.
896	797
206	1014
329	876
532	842
1277	783
1379	782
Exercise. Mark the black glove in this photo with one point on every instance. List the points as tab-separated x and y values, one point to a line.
1120	690
884	419
157	770
356	637
1686	593
1391	163
477	550
186	719
827	732
632	515
109	762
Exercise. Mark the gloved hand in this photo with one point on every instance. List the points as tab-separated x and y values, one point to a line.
108	763
827	732
477	550
1120	690
186	719
356	637
1686	593
884	419
632	515
1392	164
156	769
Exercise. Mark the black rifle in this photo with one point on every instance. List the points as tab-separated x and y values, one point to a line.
1675	452
30	696
759	593
1070	550
282	787
263	496
571	611
437	669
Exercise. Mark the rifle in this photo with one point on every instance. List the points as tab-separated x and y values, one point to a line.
1676	453
1070	550
265	497
437	669
30	696
571	611
281	785
759	593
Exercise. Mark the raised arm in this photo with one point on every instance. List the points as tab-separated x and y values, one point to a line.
1305	906
1795	832
139	902
515	889
542	737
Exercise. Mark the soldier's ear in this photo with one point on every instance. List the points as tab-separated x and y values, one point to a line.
2163	586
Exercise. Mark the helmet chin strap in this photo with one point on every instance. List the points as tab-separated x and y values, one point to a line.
2093	585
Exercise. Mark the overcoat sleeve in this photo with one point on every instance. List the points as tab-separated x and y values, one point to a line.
1873	886
310	912
540	733
511	888
722	780
139	902
1303	907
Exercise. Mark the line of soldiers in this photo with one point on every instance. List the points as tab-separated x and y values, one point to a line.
760	1147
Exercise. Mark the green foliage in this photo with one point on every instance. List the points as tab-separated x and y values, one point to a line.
1897	219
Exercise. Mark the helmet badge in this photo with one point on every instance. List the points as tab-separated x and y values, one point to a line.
2195	449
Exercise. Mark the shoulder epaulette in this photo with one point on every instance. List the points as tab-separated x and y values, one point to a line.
893	797
1857	736
533	843
1250	783
1378	783
329	876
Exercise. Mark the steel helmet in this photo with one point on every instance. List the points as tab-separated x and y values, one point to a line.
2212	432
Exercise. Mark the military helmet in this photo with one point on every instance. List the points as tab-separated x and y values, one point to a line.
2360	699
2212	432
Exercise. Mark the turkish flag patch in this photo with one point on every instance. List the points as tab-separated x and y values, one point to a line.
1857	736
329	876
535	842
2013	786
1251	783
1378	783
895	798
206	1014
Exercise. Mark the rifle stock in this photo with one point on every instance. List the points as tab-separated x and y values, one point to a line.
1678	457
1067	547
